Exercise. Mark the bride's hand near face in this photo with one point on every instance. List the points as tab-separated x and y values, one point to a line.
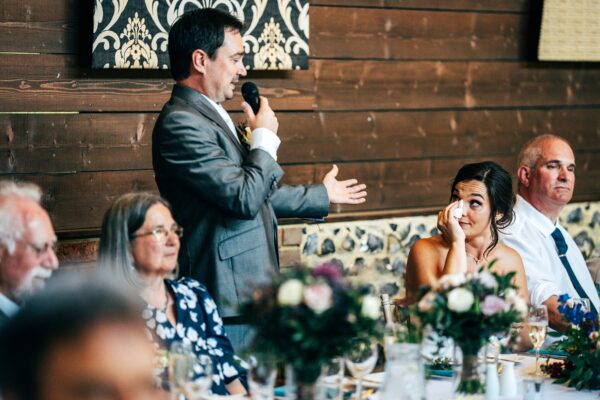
448	225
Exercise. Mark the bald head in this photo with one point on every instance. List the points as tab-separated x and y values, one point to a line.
546	174
27	241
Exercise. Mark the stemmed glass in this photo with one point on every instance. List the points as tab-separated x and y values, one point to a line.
538	326
361	360
261	377
190	376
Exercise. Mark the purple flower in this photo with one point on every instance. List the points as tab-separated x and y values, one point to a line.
492	305
329	271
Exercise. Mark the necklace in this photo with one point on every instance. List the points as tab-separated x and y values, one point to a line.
477	260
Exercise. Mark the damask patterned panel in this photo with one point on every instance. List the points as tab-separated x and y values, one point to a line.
134	33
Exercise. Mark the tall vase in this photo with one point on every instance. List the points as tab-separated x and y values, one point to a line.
469	371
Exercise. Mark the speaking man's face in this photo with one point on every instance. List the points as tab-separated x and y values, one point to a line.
223	72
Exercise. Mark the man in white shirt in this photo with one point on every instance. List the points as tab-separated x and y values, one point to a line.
27	242
553	263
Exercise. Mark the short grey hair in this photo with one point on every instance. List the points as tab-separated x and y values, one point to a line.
531	152
12	225
123	218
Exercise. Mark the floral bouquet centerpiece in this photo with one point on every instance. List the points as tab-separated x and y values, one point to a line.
308	316
581	344
469	309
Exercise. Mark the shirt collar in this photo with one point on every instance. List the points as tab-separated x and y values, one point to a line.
8	306
536	218
218	107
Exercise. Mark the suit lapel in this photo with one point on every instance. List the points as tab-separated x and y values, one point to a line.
198	101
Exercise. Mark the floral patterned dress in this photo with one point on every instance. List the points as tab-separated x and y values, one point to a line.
198	323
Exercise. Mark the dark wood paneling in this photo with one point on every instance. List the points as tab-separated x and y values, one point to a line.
413	85
105	142
390	185
339	85
400	34
469	5
335	32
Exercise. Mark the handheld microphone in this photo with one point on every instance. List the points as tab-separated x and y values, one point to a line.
251	96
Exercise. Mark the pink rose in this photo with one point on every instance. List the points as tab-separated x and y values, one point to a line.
318	297
492	305
426	303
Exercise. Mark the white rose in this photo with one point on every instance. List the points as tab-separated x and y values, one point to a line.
488	280
451	280
290	293
460	300
521	306
510	295
370	307
318	297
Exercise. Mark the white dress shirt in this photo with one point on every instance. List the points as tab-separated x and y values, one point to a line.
530	236
262	138
8	307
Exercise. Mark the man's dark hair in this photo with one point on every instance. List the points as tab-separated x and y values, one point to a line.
198	29
499	189
63	313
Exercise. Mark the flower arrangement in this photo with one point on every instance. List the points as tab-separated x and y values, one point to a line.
307	316
469	309
581	344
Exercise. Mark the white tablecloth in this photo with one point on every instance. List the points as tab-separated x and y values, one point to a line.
441	389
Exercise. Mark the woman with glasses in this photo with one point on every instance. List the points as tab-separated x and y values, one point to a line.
139	244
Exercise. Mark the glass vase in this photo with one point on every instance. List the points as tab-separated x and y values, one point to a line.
469	371
302	381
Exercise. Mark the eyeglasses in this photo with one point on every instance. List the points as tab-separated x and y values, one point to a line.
160	233
39	251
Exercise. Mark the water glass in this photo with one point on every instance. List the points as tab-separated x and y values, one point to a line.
190	376
533	388
330	382
261	377
404	373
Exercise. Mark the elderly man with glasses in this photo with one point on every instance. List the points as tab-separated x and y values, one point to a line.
27	243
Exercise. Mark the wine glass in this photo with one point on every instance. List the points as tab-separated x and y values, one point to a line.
190	376
261	377
360	360
199	386
537	320
585	303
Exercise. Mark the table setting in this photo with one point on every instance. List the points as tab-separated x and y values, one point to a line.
335	342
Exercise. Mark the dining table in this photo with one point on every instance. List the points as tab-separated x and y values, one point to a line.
441	387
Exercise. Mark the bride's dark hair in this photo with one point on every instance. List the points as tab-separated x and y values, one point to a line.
500	192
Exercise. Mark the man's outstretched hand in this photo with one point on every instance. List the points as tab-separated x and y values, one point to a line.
344	192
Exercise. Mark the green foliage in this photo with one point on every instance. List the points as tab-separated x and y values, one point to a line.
302	337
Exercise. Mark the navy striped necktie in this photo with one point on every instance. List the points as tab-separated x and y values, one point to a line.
562	247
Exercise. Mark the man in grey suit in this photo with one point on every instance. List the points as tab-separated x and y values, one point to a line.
27	243
224	194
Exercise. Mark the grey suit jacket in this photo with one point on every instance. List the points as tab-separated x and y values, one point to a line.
226	198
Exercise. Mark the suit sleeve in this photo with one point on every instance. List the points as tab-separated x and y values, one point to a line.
310	201
188	149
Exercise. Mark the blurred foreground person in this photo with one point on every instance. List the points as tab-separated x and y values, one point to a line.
77	340
139	245
27	242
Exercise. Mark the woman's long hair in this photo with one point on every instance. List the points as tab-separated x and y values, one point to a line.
500	192
124	217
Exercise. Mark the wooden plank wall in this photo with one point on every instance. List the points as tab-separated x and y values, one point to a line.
399	93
